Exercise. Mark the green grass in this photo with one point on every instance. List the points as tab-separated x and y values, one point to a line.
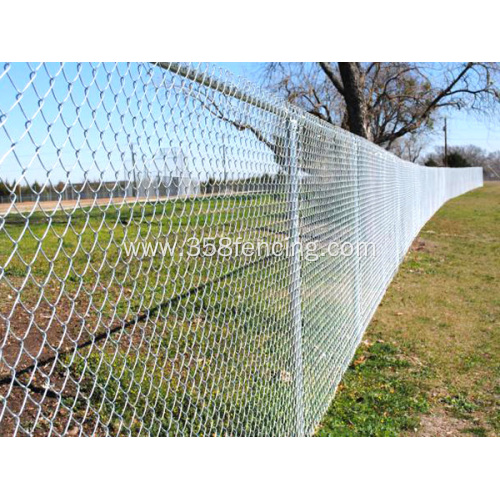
430	361
220	360
374	399
215	352
79	257
212	361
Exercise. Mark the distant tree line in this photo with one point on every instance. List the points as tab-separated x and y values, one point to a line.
36	191
7	188
265	182
463	156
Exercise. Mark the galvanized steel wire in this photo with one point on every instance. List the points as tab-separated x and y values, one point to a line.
101	334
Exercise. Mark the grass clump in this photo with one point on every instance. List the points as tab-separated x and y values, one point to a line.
374	399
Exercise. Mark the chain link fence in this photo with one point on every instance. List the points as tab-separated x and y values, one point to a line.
182	253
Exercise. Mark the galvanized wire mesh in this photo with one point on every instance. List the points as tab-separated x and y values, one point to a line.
130	304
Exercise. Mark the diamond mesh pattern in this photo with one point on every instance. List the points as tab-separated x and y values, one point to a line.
119	182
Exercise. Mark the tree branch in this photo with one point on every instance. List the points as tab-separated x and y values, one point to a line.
433	104
328	70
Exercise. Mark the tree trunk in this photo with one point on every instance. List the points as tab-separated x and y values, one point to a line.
354	98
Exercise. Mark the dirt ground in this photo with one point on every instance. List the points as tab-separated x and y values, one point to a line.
50	206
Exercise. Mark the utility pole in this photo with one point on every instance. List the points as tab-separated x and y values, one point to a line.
445	128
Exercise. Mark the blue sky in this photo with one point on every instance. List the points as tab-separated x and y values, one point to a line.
93	115
463	128
87	121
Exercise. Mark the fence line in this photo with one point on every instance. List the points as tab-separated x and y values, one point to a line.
248	295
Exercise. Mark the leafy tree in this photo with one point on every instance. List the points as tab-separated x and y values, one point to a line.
5	188
456	160
36	187
431	162
463	156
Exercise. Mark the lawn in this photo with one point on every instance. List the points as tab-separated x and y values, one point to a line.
177	345
163	344
429	363
108	343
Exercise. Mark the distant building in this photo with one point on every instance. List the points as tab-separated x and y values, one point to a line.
167	175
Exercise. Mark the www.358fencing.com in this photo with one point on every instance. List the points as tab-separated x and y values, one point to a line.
226	247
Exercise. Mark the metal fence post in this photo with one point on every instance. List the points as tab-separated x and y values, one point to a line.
295	278
357	218
397	235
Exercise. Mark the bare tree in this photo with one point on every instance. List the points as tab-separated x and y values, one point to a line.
384	102
411	146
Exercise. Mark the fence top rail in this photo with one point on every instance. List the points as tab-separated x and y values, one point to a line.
212	82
